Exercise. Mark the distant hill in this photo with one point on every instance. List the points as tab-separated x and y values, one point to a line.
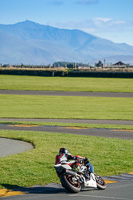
31	43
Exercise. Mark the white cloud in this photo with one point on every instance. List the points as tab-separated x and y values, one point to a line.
103	19
115	30
96	24
119	22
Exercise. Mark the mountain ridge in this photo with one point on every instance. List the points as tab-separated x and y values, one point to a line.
32	43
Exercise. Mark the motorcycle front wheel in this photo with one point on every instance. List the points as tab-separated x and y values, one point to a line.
70	183
100	182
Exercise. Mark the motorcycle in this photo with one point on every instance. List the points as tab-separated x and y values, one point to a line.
75	175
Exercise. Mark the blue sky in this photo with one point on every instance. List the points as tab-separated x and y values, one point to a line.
110	19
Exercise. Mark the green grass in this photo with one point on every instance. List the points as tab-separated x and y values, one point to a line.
29	106
10	82
34	167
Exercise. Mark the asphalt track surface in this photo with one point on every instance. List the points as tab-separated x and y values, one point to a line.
100	132
61	93
121	190
88	121
10	147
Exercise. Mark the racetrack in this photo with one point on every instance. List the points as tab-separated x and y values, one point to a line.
10	146
117	191
101	132
121	190
87	121
122	134
62	93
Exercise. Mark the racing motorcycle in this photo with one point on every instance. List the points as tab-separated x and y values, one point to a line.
74	175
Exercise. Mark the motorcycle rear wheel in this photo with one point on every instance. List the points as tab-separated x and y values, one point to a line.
101	185
68	184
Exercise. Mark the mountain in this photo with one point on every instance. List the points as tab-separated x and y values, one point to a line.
32	43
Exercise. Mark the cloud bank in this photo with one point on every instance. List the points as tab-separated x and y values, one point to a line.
115	30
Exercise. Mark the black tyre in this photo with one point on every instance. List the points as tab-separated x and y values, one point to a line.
70	183
101	185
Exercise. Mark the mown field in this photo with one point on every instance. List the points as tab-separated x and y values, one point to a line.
37	106
65	84
109	156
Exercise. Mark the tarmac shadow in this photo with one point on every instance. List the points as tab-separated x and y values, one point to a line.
52	188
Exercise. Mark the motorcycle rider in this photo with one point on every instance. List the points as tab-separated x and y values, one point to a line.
64	155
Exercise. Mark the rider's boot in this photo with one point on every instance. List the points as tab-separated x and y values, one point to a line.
92	176
91	182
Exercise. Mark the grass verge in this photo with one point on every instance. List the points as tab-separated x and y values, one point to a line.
109	156
28	106
11	82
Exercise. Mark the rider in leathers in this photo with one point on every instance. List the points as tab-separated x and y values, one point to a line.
63	152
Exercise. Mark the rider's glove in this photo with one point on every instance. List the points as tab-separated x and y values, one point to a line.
86	160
